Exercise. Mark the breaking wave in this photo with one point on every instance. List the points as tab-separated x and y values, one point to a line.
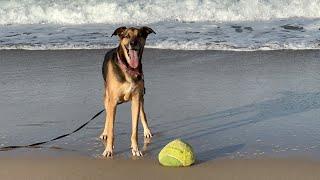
151	11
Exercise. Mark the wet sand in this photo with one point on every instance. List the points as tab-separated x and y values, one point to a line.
233	104
227	105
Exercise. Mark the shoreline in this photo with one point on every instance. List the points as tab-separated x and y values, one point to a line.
177	50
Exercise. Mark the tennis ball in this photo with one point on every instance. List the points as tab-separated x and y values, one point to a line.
176	154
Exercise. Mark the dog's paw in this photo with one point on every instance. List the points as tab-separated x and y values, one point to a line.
103	136
107	153
147	133
136	152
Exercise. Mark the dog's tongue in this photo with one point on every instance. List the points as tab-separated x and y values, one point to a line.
134	59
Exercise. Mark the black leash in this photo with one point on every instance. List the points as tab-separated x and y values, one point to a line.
6	148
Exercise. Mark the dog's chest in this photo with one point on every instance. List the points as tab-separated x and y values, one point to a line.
128	90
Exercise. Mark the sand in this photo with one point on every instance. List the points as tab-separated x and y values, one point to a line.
85	168
230	106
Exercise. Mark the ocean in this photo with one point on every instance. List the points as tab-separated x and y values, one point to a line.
240	25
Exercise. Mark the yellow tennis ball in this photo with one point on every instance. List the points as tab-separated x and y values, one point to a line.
176	154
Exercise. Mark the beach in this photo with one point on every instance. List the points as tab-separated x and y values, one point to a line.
247	114
237	80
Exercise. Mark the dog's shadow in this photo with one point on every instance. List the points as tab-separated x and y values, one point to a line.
218	153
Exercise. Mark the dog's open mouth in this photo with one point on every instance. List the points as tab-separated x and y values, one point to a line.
134	57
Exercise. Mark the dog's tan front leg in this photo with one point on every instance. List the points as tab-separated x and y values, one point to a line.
135	107
111	113
146	130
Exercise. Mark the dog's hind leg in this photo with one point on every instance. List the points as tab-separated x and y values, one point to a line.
103	136
146	130
135	108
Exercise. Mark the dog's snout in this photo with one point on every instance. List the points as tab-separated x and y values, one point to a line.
134	42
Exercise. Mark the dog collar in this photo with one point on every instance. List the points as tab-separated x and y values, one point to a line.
131	71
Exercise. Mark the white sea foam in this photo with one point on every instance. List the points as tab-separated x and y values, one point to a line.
183	25
240	36
151	11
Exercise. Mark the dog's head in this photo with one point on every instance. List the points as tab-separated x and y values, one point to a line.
132	41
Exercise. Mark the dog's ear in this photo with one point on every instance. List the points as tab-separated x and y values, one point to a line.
146	31
119	31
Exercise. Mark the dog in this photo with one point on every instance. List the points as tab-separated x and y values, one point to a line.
123	82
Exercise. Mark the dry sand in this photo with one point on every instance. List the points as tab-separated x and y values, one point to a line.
35	168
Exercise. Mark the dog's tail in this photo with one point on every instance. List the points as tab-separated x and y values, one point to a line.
6	148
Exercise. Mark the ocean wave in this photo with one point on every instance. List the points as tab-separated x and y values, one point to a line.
151	11
171	46
294	33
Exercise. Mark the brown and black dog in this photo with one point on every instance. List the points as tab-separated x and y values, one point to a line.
123	82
